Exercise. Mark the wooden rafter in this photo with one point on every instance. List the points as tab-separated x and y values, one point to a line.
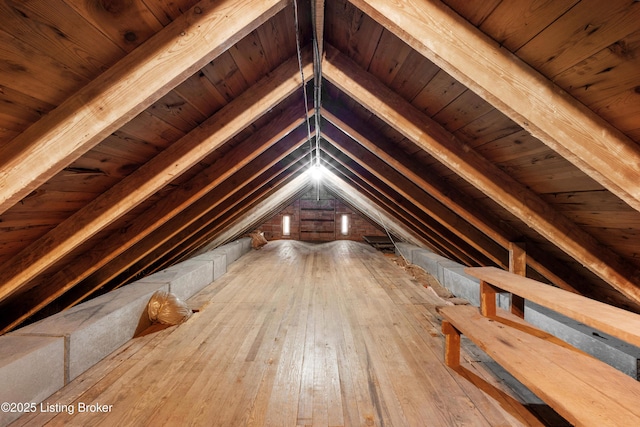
241	205
179	233
527	97
457	202
411	191
151	177
287	186
445	235
379	201
123	248
478	171
368	208
124	90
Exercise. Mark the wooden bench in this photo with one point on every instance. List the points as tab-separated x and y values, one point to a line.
584	390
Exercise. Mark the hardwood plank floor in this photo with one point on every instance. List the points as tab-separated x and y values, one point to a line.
295	334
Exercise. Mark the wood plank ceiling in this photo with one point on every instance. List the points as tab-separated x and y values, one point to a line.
134	133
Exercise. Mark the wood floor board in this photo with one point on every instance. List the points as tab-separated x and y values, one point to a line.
294	334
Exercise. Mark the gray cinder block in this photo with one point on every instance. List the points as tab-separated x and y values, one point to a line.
31	369
232	250
245	242
408	251
428	261
461	284
217	260
97	327
184	279
617	353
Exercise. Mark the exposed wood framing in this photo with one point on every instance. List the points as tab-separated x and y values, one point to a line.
123	249
124	90
527	97
408	219
458	203
178	235
485	176
293	184
145	181
411	191
443	234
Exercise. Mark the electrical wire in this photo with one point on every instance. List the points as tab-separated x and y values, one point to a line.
304	86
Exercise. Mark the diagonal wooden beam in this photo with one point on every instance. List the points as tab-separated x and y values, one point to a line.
174	212
520	92
478	171
416	195
234	207
447	236
457	202
265	198
400	212
126	89
360	202
175	235
152	176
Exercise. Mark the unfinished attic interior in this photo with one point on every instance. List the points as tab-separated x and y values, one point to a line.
492	145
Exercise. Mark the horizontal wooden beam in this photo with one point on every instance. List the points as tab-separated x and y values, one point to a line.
124	90
478	171
527	97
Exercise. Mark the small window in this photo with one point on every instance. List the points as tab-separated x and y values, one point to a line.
286	225
344	225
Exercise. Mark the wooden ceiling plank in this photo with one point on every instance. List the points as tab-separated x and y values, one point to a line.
235	206
352	31
441	90
124	247
416	195
177	232
579	34
401	214
125	90
126	24
513	25
447	233
508	193
152	176
527	97
28	72
277	38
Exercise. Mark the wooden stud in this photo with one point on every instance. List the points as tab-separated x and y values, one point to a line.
451	344
517	265
487	299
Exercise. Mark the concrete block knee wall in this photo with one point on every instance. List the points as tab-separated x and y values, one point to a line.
39	359
451	275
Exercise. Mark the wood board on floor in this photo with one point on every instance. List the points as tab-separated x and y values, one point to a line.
296	334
